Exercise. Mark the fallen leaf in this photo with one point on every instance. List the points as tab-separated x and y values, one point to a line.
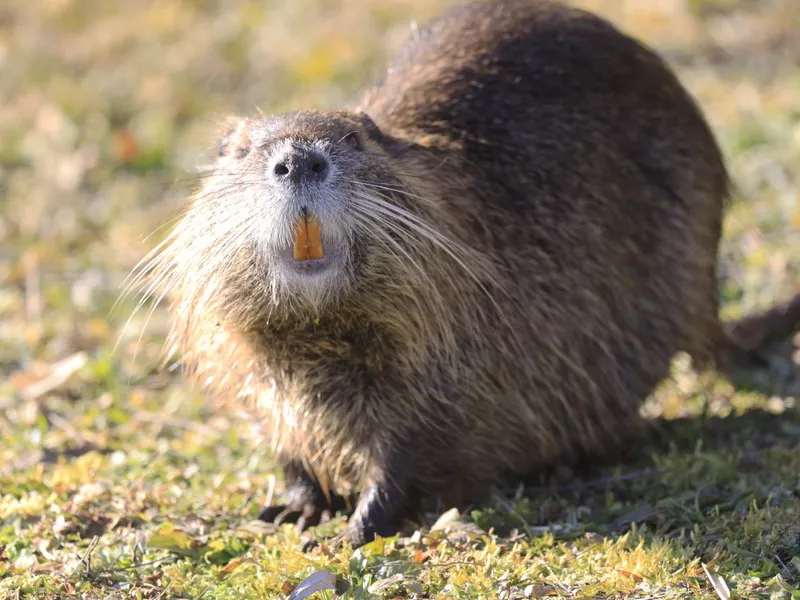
256	527
538	591
62	525
168	537
783	585
420	556
446	519
634	576
154	577
718	583
383	585
231	566
316	582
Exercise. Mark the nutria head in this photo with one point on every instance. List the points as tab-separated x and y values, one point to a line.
311	216
296	192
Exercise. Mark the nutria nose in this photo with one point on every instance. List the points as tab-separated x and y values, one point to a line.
301	165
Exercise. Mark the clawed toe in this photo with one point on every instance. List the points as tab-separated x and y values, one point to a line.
304	517
270	513
306	504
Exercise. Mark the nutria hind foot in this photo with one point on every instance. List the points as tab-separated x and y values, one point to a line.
389	497
380	511
306	504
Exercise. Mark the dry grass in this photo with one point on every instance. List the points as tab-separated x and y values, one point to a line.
117	481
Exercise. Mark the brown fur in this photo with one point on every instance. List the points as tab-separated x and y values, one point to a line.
579	194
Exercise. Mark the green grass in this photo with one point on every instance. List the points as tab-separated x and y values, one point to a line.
117	480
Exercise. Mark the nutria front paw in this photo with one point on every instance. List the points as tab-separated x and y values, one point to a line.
306	504
305	515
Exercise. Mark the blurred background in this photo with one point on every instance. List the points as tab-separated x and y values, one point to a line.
108	107
106	110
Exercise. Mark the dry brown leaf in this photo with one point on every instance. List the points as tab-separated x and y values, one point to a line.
421	557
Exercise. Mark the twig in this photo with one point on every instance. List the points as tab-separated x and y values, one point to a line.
511	511
157	419
65	426
60	372
601	482
783	564
87	557
166	589
136	566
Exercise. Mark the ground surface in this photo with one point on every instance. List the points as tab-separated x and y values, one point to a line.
118	481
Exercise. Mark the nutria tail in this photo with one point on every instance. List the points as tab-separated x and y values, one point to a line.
750	336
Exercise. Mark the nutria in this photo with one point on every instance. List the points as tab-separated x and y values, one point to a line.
479	271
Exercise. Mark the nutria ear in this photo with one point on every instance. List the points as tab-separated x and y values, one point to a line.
235	140
391	144
370	128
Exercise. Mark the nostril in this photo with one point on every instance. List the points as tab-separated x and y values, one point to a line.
318	166
301	165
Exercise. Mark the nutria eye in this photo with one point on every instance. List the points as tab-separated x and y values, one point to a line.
354	140
242	151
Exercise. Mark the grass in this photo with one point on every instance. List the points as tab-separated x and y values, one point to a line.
118	481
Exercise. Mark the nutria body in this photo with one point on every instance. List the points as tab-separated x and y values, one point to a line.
518	231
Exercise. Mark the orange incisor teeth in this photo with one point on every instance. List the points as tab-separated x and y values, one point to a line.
307	241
